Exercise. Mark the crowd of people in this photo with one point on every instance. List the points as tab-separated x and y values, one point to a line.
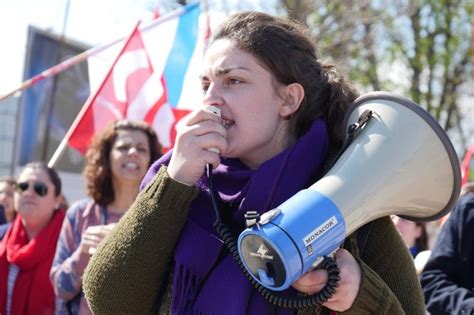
142	240
45	249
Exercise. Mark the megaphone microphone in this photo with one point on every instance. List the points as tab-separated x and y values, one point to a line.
400	161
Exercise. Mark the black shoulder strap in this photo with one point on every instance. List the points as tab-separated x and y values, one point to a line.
362	235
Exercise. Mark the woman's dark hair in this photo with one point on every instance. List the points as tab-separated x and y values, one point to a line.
421	242
52	174
98	172
285	49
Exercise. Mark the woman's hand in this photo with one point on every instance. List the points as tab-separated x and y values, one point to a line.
200	131
346	292
92	237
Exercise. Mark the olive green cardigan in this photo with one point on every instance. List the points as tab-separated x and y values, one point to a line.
133	263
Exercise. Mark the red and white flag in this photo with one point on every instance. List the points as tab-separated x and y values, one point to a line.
154	78
119	89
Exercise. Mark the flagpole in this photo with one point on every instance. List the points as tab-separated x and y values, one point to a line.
52	100
61	149
54	70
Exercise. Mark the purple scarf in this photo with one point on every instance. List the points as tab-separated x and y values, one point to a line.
198	255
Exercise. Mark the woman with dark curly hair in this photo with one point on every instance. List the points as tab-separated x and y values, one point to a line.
116	162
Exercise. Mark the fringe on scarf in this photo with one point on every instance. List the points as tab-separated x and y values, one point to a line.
185	286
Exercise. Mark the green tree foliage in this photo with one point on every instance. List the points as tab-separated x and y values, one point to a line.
418	48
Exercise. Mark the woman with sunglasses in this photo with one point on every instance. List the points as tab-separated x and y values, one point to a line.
116	162
27	250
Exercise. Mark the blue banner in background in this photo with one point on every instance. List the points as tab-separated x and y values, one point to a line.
50	106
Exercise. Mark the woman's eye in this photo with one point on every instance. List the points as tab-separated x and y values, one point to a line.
123	148
142	150
233	81
205	86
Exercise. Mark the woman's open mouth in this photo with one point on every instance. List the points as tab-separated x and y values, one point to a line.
227	123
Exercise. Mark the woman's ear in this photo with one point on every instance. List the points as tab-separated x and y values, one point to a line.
57	202
293	95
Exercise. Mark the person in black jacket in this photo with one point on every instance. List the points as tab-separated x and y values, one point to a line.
448	277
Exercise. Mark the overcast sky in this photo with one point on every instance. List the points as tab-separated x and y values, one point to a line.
92	22
89	21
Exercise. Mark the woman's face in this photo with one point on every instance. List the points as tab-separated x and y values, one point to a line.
36	205
409	231
248	97
130	156
6	197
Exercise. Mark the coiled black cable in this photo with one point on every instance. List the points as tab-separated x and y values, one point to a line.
273	297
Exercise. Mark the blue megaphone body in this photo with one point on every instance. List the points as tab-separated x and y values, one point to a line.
291	239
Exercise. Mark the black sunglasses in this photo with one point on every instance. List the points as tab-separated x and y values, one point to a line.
40	188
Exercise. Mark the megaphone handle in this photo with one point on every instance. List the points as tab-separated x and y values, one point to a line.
352	132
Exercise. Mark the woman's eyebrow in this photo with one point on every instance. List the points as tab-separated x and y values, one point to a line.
222	71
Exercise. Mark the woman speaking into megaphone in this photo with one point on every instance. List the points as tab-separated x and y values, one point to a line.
277	129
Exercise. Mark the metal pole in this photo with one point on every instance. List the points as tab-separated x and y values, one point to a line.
54	87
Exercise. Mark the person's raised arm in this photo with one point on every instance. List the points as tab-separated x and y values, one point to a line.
125	274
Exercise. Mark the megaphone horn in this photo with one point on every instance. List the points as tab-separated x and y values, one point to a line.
401	162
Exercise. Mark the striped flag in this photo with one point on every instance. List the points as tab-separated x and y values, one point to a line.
154	78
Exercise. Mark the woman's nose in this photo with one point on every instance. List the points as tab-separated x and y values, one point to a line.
213	95
29	191
133	151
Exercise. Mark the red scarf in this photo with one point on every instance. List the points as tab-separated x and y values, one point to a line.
33	292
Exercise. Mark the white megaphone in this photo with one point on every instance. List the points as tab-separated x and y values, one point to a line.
399	162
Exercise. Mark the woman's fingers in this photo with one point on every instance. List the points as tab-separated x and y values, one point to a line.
198	116
211	140
206	127
311	282
93	235
197	137
348	286
349	283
